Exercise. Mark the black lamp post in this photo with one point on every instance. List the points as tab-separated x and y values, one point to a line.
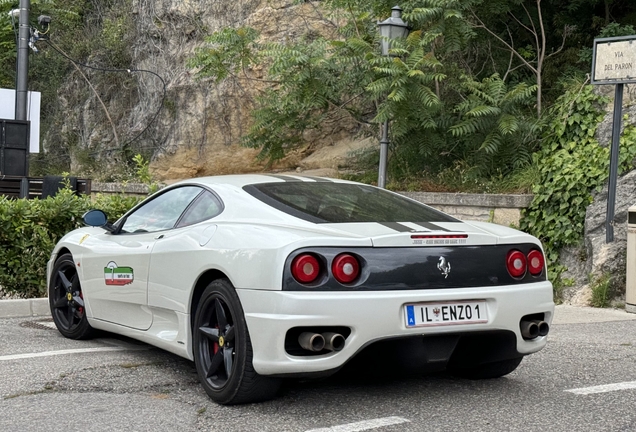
24	34
390	29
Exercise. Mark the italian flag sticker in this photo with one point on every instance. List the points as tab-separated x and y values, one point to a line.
114	275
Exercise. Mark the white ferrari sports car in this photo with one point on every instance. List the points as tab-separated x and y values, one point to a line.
261	277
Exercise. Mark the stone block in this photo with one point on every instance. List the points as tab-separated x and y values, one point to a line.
507	216
14	308
40	307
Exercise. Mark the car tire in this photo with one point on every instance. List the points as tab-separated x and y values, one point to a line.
488	370
67	301
223	350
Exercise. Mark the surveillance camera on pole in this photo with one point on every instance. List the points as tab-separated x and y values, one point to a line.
44	20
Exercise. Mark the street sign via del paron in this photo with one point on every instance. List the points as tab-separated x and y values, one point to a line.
614	62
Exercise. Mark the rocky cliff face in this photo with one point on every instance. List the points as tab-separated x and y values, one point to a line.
199	123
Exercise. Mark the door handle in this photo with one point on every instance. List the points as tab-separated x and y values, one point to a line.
160	236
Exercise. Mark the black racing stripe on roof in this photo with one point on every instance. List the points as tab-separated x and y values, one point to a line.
396	226
430	226
284	177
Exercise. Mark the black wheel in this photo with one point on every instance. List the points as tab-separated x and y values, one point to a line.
66	300
488	370
223	351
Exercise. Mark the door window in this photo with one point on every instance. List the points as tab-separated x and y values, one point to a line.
162	212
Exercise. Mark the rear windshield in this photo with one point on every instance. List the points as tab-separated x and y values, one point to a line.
323	202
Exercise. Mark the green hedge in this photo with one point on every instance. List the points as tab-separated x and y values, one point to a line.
29	229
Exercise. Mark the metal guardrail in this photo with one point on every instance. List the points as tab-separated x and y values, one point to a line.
37	187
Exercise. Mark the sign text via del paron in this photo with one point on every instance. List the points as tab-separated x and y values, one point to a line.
615	61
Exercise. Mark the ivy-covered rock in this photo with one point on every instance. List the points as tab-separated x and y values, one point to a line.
572	165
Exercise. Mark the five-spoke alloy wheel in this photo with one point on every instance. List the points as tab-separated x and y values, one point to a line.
223	351
66	300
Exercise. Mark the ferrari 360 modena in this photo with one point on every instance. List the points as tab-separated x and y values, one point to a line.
257	278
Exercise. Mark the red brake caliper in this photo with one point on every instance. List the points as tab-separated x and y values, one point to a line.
216	344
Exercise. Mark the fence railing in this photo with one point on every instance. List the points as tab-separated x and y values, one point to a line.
40	187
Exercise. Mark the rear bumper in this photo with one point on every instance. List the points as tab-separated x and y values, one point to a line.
374	316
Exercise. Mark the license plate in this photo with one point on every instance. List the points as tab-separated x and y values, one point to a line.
446	313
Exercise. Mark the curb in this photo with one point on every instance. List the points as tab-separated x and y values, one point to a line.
24	308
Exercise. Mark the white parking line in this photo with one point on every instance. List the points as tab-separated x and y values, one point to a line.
363	425
60	352
604	388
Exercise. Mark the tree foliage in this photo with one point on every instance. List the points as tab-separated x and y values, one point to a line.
439	111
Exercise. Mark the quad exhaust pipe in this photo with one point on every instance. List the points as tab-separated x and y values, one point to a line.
316	342
333	341
534	328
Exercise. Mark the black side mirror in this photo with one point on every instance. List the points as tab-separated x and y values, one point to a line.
95	218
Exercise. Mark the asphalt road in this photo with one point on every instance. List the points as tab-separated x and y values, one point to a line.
48	383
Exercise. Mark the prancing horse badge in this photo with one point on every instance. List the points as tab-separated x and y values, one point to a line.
444	266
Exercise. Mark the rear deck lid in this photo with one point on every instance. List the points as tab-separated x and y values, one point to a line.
422	234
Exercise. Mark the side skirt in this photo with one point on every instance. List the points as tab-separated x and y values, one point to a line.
169	331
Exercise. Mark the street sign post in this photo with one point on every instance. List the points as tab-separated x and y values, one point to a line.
614	62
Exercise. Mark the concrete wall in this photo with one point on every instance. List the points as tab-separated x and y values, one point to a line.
139	189
500	209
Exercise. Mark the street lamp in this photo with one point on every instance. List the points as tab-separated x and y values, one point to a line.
24	34
390	29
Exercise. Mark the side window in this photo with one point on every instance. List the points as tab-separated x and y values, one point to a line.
205	207
162	212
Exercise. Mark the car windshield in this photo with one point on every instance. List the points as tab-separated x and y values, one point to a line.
322	202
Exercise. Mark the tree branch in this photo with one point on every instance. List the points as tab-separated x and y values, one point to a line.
511	48
534	29
566	31
522	24
542	53
509	67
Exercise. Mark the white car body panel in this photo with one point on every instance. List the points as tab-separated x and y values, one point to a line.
125	304
373	316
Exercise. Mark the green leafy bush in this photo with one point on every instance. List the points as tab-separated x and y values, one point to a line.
602	291
29	229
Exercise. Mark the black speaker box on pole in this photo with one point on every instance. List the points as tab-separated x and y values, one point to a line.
14	147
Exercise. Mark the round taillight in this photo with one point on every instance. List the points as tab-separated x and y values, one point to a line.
516	263
305	268
536	262
345	268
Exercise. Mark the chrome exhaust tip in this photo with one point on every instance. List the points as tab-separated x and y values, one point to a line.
529	329
544	328
311	341
333	341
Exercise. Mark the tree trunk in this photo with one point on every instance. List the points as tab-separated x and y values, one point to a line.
539	92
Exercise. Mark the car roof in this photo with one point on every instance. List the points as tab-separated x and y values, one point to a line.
240	180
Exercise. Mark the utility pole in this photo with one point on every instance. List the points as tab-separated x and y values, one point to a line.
24	34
